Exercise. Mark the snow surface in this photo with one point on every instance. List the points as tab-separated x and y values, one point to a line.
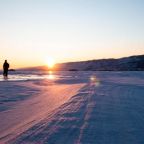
73	108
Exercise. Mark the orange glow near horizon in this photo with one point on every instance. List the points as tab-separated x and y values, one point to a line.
51	62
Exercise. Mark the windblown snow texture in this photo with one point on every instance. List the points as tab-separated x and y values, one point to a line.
90	108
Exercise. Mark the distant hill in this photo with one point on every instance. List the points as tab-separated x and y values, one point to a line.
132	63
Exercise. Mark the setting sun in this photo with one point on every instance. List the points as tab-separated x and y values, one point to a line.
50	62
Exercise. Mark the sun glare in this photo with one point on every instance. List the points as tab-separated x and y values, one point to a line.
50	62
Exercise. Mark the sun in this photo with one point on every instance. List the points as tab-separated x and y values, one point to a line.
50	62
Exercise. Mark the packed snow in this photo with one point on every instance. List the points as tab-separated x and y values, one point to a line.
72	108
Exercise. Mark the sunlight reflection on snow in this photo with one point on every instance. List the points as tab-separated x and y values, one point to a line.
94	81
50	75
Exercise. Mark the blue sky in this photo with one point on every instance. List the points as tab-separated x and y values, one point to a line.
32	30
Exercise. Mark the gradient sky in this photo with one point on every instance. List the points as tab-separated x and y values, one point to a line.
69	30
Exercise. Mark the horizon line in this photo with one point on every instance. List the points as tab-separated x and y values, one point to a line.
78	61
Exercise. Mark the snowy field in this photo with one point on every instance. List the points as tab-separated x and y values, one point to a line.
72	108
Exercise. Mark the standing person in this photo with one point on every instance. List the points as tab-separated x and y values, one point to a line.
5	68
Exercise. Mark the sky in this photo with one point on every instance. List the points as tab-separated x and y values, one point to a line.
69	30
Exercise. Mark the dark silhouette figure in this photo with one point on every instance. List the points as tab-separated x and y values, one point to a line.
5	68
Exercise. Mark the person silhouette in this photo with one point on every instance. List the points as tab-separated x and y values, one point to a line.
5	68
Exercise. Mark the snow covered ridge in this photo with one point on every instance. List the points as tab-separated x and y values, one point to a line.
133	63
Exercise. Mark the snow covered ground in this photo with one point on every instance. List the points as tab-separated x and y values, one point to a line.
73	108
